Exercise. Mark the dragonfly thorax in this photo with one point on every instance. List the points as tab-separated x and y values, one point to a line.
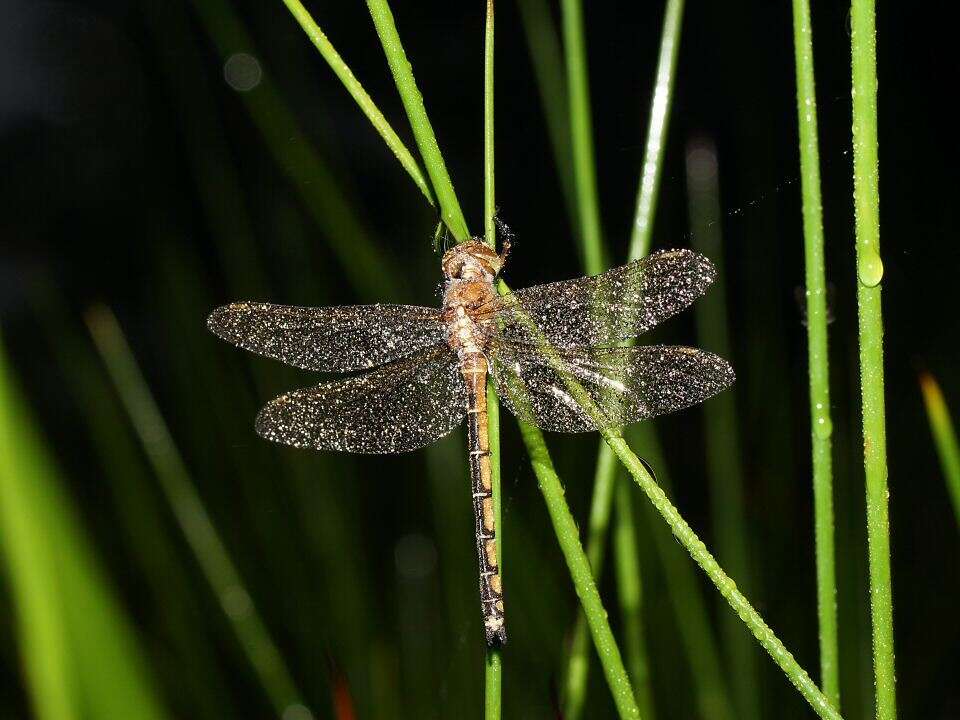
472	260
467	311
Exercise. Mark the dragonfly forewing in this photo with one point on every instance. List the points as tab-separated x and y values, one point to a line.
624	384
396	408
604	309
329	339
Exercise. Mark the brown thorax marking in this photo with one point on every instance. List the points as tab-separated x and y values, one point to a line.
469	297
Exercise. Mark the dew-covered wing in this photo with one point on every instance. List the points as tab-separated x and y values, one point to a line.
621	385
399	407
603	309
329	339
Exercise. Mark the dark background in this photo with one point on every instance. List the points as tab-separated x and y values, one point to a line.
133	175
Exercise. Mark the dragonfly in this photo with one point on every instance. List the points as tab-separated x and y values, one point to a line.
559	356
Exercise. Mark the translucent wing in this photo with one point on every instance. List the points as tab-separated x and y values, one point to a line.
398	407
625	384
603	309
329	339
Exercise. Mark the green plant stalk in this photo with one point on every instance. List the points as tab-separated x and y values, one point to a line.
536	446
493	682
189	512
721	437
349	239
419	122
657	130
652	170
32	576
87	654
357	92
944	436
630	591
817	353
727	587
581	137
547	59
687	599
581	572
866	196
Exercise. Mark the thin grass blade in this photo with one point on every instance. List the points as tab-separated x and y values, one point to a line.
944	437
722	439
417	114
817	352
353	86
188	509
866	197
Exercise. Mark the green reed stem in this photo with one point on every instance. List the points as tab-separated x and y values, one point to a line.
652	170
722	440
581	138
657	130
686	596
188	509
533	438
348	236
581	572
944	436
493	667
357	92
817	353
866	195
81	654
630	592
416	112
31	574
543	43
727	587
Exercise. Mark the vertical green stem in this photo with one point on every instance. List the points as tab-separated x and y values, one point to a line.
866	195
422	129
630	590
581	138
721	436
581	572
493	686
944	436
817	352
592	252
657	130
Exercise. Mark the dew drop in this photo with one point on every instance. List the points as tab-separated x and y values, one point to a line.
870	269
823	428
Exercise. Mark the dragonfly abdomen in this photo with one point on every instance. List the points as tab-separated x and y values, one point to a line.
474	369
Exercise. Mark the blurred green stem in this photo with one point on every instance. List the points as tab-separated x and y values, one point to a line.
416	112
360	259
817	352
588	211
189	512
356	91
547	58
722	439
657	130
944	436
630	591
493	685
32	579
581	138
866	196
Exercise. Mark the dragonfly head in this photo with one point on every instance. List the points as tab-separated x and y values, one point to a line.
472	260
